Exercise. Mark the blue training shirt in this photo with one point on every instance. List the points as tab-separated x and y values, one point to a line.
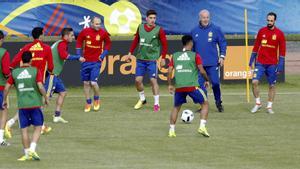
206	39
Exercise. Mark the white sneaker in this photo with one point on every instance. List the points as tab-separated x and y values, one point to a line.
59	119
255	108
270	111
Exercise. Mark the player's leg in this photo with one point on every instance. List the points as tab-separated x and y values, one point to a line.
271	77
4	130
61	90
179	99
9	124
213	73
199	97
37	120
152	72
95	72
257	75
85	78
24	122
2	127
173	119
139	74
201	81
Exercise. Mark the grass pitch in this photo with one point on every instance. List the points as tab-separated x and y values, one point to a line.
119	137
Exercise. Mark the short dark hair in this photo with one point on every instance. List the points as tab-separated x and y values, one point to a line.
26	57
186	39
1	34
272	14
37	32
66	31
151	12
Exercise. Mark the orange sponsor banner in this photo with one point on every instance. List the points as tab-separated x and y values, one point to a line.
235	66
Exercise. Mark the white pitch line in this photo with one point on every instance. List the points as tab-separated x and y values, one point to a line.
169	95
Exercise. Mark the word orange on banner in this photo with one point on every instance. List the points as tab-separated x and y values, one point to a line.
235	63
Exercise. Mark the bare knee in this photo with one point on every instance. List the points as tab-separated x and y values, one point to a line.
94	83
63	94
255	82
138	81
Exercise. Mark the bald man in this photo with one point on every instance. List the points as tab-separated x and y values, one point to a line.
96	43
207	38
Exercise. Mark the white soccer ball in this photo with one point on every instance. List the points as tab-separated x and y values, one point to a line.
187	116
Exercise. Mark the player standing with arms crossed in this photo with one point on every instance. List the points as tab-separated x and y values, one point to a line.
95	43
269	40
151	38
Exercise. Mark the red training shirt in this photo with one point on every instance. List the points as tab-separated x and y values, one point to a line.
41	56
93	43
5	61
267	44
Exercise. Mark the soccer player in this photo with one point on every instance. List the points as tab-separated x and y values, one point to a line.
186	65
269	40
208	38
150	38
53	83
96	44
5	72
41	59
28	82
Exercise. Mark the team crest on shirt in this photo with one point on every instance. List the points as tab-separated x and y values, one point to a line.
274	37
98	37
210	34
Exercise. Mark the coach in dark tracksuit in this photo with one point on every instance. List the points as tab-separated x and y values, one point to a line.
207	39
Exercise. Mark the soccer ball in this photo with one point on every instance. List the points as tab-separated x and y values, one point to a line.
187	116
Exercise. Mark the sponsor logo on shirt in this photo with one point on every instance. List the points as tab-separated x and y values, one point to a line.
184	56
36	47
24	75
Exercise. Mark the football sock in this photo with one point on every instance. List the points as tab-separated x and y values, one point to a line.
142	95
202	123
156	100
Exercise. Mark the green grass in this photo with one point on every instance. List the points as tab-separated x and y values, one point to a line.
120	137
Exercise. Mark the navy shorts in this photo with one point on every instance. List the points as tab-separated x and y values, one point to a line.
1	99
143	67
29	117
56	86
197	95
269	70
90	71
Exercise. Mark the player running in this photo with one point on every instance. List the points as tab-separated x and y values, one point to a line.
96	44
41	59
28	82
150	38
265	56
186	65
5	72
53	83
